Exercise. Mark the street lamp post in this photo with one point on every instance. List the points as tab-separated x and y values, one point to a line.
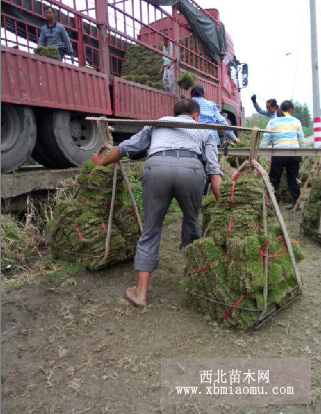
315	77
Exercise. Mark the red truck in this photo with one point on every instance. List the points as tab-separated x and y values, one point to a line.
45	102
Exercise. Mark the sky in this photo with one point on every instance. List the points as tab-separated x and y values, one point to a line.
264	32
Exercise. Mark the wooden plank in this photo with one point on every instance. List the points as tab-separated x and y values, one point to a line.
13	185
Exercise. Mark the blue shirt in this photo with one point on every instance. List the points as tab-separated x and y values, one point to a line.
286	133
265	112
166	60
211	115
55	35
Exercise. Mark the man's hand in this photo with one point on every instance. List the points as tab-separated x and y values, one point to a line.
235	139
253	99
98	159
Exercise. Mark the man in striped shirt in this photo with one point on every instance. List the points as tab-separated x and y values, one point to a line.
286	133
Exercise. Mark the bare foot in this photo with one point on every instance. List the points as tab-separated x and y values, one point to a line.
136	298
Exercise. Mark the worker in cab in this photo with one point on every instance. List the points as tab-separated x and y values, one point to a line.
286	132
176	167
271	107
54	34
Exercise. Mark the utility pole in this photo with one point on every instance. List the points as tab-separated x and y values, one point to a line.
315	77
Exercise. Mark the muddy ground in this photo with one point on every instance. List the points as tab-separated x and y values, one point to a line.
76	345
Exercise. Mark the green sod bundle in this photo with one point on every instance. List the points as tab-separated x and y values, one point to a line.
47	51
186	80
78	229
312	210
226	267
143	65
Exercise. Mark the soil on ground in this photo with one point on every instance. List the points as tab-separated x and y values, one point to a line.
75	345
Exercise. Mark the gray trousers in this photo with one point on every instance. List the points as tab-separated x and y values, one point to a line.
169	79
163	179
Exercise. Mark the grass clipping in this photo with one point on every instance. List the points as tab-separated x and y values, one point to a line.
312	211
226	266
78	229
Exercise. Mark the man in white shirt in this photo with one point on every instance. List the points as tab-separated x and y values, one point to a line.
173	169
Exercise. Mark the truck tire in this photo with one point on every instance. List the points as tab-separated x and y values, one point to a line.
68	138
39	154
18	135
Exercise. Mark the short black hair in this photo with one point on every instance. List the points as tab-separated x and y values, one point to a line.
47	8
273	103
286	105
197	91
186	106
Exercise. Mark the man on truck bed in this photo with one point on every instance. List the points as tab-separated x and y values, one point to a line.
54	34
168	70
173	169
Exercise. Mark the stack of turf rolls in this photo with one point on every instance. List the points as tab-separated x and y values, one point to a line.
79	225
225	267
143	65
312	210
186	80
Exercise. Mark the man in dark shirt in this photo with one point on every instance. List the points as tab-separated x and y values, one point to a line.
54	34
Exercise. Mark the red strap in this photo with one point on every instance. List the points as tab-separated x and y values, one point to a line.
281	240
235	304
205	267
236	175
230	225
79	233
232	195
103	226
264	247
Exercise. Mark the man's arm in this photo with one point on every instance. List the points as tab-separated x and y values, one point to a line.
215	184
66	40
42	38
259	110
136	144
267	137
113	156
300	135
220	119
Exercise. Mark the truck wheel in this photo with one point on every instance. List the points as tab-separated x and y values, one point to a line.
69	138
18	135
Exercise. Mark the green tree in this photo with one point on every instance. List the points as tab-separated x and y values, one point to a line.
301	111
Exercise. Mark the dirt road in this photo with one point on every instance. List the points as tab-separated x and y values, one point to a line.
76	346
